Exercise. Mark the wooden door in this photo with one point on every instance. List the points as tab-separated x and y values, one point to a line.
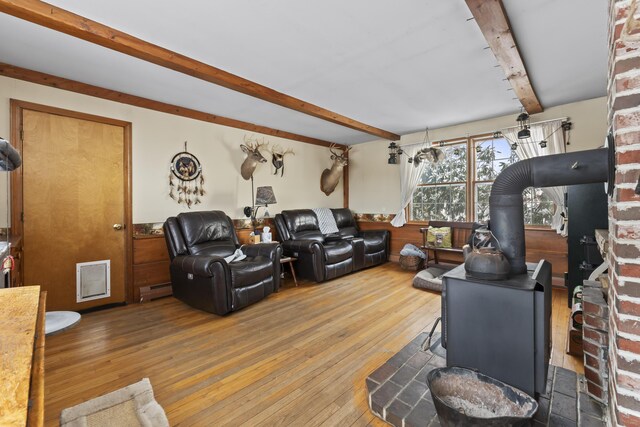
74	191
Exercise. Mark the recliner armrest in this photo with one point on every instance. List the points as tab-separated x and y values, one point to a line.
269	250
380	233
199	265
305	246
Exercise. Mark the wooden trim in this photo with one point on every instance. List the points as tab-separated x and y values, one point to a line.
494	24
44	79
74	25
16	108
128	212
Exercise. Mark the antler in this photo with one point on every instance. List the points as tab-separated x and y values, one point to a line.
288	151
252	143
276	149
344	151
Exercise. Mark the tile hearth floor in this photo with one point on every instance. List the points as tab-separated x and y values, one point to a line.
398	393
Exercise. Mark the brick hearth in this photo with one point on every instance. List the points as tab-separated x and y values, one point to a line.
398	393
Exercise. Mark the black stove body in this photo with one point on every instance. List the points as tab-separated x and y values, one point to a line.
501	328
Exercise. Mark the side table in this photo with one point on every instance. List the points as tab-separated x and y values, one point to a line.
289	260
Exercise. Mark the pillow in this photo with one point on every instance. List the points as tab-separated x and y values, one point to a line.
439	237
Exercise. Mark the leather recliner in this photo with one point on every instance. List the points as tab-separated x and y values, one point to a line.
200	276
324	257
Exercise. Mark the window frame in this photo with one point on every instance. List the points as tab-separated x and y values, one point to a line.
471	182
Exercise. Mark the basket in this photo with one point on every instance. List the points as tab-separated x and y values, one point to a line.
411	262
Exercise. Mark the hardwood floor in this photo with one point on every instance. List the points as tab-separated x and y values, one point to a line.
300	357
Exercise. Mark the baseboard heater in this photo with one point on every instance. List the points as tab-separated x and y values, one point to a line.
148	293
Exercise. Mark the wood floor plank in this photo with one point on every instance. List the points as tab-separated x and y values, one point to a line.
300	357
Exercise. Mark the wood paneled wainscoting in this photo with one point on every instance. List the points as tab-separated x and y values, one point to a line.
541	243
150	267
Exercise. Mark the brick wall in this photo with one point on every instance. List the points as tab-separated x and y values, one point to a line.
595	340
624	218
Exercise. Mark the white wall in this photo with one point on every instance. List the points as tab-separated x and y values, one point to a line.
375	185
158	136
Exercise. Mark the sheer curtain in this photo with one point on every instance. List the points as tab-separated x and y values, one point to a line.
551	131
409	178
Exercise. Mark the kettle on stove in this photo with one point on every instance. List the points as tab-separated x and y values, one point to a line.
484	259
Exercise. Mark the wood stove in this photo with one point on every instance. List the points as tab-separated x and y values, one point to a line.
501	328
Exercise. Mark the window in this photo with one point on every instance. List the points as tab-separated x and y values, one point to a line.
442	194
458	188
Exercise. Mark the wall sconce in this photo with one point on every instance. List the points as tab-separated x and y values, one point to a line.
523	125
514	146
543	144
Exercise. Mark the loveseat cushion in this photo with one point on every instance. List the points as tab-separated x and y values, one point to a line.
250	271
337	251
345	221
302	224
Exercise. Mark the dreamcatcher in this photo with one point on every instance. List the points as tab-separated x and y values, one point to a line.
186	182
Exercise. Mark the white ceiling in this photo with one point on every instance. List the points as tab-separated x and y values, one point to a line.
399	66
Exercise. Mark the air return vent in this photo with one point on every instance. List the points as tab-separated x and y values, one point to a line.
93	280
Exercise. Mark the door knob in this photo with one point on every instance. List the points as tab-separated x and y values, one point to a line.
118	226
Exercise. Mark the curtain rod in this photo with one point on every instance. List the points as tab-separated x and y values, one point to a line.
541	121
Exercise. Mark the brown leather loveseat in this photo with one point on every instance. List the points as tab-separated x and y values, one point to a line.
327	256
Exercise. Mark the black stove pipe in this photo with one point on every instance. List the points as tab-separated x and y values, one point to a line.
505	203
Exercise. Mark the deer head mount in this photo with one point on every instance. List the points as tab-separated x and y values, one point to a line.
251	147
277	158
330	177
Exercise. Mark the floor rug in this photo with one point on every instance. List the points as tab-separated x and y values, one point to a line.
133	405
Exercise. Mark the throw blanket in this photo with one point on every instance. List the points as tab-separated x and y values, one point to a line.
326	221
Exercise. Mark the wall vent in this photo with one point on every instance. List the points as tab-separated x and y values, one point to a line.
93	280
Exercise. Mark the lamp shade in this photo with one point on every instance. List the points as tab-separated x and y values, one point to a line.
265	196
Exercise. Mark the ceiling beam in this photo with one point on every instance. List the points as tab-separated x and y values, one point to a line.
137	101
69	23
494	24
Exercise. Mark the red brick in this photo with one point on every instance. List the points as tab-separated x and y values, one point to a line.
628	231
626	344
595	307
627	420
623	49
598	337
628	402
628	326
596	322
596	392
593	349
626	195
628	382
622	102
632	156
627	64
627	83
631	289
628	138
626	250
629	270
620	13
594	362
627	365
628	307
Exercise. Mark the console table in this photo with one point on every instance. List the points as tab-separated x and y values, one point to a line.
22	314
